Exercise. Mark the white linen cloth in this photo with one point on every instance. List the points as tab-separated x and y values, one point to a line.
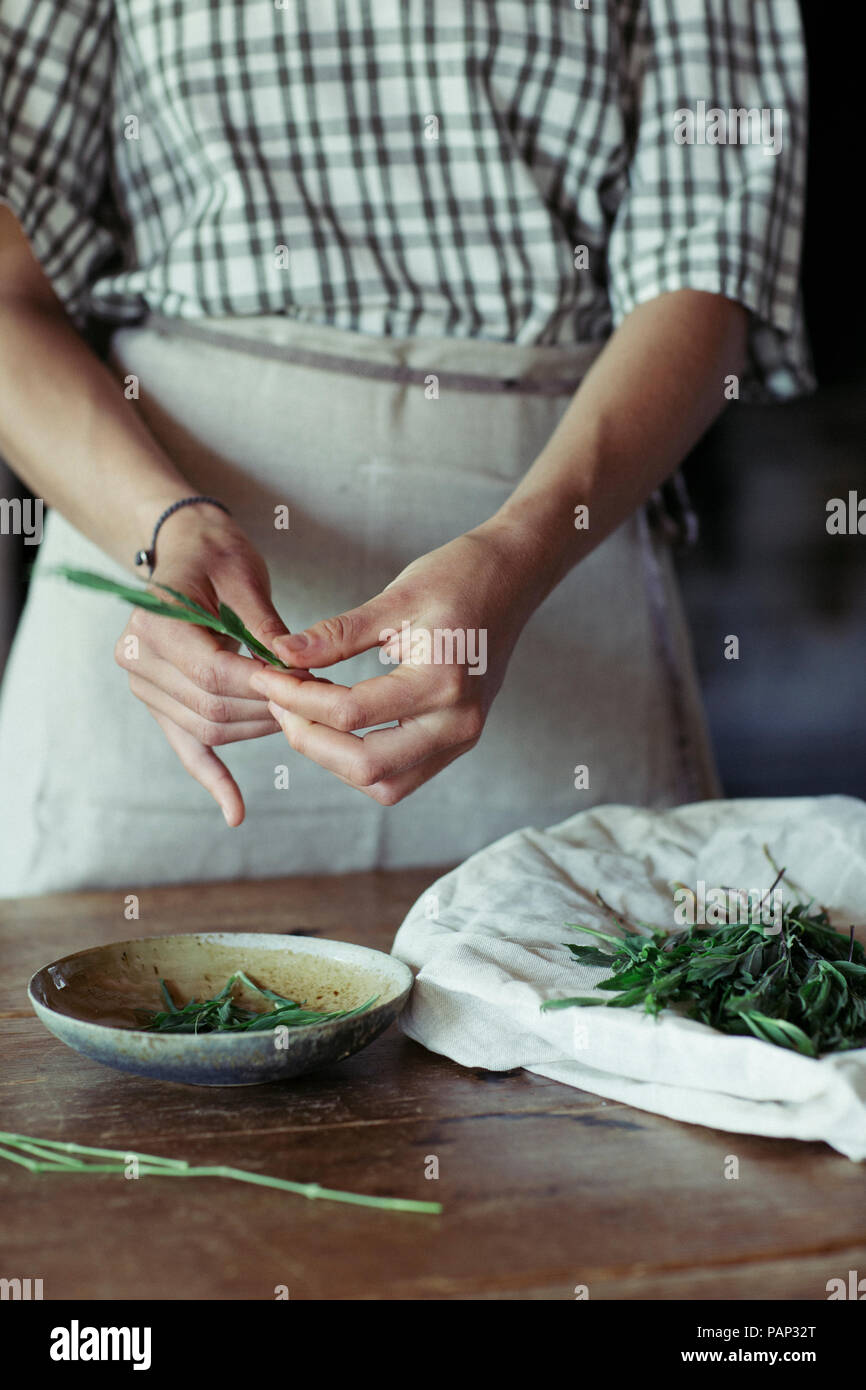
487	942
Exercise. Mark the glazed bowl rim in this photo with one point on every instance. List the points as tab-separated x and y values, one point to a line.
347	951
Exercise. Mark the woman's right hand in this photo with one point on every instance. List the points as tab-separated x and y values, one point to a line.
192	680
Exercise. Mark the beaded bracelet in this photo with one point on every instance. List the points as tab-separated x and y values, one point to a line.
148	557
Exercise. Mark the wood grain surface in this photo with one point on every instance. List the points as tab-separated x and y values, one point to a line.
544	1188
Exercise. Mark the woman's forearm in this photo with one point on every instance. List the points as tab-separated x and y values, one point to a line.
66	427
652	392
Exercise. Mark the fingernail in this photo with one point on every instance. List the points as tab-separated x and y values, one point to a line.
258	684
275	710
226	816
296	642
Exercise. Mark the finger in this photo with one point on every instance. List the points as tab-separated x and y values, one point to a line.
403	694
296	674
202	656
253	605
205	767
336	639
206	731
365	760
217	709
393	789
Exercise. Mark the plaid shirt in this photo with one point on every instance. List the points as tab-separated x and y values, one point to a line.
405	168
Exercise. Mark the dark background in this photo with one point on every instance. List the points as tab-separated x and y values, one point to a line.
788	717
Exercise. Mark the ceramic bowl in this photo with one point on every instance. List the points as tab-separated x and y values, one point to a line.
89	1001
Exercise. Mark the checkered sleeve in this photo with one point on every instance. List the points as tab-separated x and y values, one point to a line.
55	84
715	96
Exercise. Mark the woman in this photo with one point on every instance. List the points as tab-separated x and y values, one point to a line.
431	300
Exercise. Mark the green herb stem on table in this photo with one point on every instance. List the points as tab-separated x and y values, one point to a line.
53	1156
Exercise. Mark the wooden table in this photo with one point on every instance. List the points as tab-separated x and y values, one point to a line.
544	1187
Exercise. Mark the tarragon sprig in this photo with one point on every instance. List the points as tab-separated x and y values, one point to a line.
54	1156
223	1014
803	987
184	609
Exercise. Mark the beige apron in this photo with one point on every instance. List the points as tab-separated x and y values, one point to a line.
382	449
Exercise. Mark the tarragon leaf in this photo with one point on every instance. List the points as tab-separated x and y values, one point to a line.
228	624
802	987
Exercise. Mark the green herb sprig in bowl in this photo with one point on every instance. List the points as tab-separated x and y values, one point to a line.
223	1014
802	987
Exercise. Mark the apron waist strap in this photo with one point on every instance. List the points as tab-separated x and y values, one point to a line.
477	365
469	364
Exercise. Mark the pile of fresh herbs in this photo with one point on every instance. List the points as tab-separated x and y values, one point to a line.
223	1014
228	624
802	986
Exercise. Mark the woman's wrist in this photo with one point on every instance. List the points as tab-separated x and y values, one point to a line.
537	539
148	506
198	528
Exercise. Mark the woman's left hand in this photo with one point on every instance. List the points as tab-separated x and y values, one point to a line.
466	604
